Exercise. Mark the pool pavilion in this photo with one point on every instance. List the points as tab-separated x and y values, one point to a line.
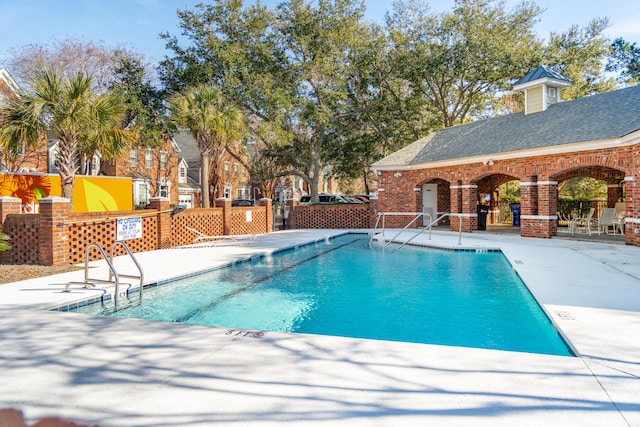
458	168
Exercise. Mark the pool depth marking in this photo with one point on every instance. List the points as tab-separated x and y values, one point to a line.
211	305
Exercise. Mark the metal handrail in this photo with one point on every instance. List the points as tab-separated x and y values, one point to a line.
114	277
135	261
88	281
382	215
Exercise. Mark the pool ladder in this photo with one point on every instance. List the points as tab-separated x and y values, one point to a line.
382	216
114	276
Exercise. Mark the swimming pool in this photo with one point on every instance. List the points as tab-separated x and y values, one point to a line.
341	287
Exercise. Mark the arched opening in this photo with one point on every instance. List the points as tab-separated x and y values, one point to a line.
581	189
500	193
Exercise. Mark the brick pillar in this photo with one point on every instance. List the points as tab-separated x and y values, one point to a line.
373	211
632	200
469	207
547	209
290	222
8	206
225	204
464	200
614	195
455	200
267	203
529	223
53	237
163	233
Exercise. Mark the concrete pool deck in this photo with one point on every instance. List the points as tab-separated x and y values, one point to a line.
129	372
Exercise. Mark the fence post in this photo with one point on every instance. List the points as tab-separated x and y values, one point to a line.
225	204
267	203
53	237
162	205
292	204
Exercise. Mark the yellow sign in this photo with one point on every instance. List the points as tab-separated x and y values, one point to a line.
90	193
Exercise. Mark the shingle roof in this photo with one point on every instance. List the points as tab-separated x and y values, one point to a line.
603	116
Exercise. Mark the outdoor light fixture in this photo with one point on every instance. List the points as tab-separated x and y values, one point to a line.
487	162
397	174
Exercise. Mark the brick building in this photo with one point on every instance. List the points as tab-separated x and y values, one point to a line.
454	169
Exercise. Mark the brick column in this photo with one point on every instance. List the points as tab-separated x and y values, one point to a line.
529	206
53	237
547	218
290	222
163	233
268	206
464	200
225	204
614	195
373	211
8	206
632	200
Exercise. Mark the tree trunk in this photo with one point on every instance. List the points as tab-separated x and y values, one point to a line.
204	179
366	183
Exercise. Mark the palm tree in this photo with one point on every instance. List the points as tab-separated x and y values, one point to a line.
66	108
211	120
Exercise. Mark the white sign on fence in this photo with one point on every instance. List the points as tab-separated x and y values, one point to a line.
248	216
128	228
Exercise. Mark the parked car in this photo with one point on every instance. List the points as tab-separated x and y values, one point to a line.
242	202
324	198
353	200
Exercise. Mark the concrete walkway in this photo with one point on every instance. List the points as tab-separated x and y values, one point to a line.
128	372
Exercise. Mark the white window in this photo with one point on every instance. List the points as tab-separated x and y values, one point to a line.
163	190
183	174
133	158
95	165
163	160
148	158
142	195
235	170
227	189
226	168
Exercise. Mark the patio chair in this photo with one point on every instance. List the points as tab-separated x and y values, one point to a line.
215	239
607	219
583	224
619	222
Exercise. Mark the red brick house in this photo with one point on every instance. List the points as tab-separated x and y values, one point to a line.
153	171
451	170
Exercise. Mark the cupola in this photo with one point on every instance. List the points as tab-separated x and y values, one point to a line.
541	88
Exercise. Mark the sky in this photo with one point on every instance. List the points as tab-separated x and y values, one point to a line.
136	24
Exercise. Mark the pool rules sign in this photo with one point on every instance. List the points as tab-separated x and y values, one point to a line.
129	228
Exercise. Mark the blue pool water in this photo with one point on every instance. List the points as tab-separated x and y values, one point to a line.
341	287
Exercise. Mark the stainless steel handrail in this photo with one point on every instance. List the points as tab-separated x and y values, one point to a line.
382	215
135	261
88	281
114	277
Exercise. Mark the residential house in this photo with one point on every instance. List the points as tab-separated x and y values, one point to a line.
233	179
452	170
154	171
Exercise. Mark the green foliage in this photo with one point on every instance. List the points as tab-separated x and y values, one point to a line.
625	58
583	188
580	55
456	62
213	122
4	242
66	108
143	102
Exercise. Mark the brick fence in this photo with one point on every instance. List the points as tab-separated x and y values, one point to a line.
56	236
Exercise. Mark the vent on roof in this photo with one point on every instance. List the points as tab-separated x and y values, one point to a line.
541	88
